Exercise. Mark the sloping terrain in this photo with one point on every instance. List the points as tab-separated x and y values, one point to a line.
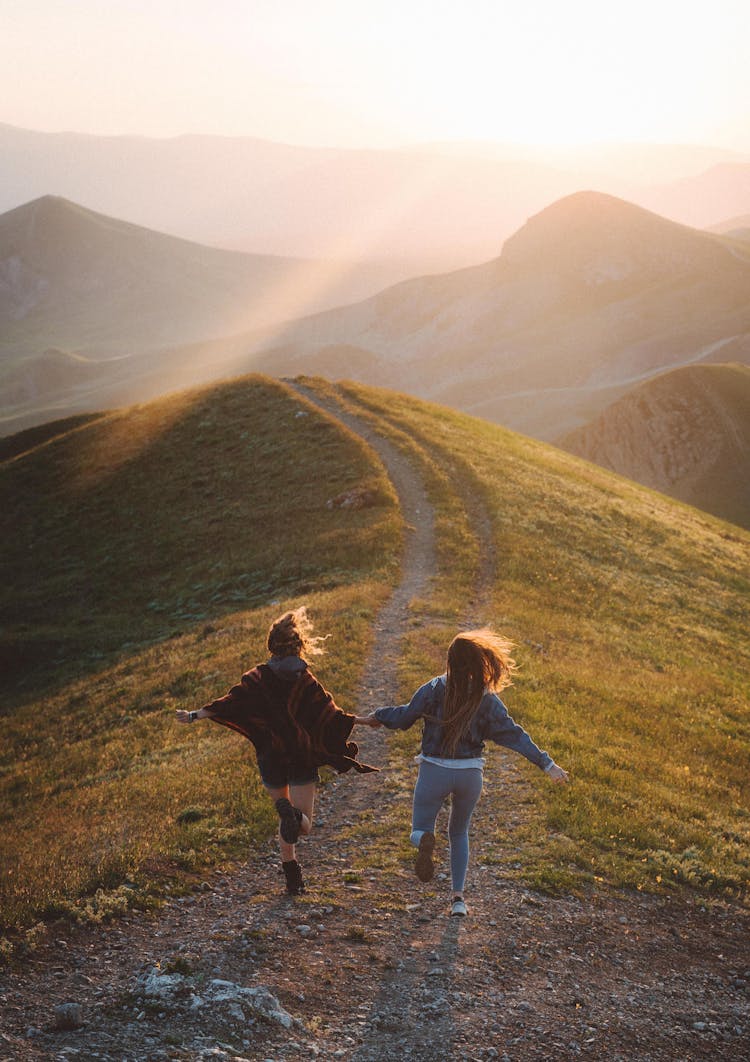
589	297
85	298
121	535
439	205
162	514
738	227
78	280
80	292
686	433
722	190
628	611
161	521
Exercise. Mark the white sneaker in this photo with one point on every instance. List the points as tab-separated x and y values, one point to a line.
458	907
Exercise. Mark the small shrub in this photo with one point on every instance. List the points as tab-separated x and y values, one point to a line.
358	935
188	815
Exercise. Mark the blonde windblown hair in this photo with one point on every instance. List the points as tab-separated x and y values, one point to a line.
292	635
478	661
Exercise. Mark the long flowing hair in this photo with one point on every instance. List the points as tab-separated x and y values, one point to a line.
292	635
478	661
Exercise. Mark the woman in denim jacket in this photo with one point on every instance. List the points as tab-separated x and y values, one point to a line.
460	711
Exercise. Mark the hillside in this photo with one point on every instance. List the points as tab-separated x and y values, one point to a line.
686	433
437	206
738	227
143	554
150	517
163	540
144	548
81	292
591	296
721	190
83	281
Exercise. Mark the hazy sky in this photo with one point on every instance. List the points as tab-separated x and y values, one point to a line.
350	73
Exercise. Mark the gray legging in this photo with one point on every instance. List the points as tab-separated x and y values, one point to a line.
434	784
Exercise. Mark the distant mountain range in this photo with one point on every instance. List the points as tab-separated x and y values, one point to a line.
685	433
79	279
590	297
738	227
77	288
432	208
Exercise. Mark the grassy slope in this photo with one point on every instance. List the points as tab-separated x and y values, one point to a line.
630	613
145	555
628	610
23	441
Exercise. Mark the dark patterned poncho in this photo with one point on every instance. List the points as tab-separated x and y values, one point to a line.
291	721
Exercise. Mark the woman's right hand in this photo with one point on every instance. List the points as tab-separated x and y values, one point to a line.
367	720
557	774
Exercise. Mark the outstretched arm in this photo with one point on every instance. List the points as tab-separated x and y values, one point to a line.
402	716
190	717
367	720
503	730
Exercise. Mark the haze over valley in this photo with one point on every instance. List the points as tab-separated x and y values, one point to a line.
427	208
588	286
401	321
591	297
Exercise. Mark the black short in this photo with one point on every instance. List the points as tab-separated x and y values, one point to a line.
277	774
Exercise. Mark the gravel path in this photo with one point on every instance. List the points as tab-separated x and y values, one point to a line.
368	966
378	684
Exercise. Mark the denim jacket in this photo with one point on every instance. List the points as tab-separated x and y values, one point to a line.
491	723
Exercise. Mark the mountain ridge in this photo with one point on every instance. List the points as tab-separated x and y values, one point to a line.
143	571
440	207
685	433
74	281
591	296
559	311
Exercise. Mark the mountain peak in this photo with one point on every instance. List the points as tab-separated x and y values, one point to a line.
600	238
47	204
49	219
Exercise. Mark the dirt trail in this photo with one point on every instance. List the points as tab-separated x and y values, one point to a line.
378	684
369	964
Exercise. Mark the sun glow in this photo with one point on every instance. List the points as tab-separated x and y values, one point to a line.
344	73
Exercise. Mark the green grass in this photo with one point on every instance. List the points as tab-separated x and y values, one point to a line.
148	550
156	518
147	554
630	613
23	441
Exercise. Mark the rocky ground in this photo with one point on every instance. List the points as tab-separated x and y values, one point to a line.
369	965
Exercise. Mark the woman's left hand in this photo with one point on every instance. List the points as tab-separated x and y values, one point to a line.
367	720
182	716
557	774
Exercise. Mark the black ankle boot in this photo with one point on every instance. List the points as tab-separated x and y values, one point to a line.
290	820
295	886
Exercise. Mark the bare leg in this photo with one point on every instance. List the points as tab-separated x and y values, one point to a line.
302	797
